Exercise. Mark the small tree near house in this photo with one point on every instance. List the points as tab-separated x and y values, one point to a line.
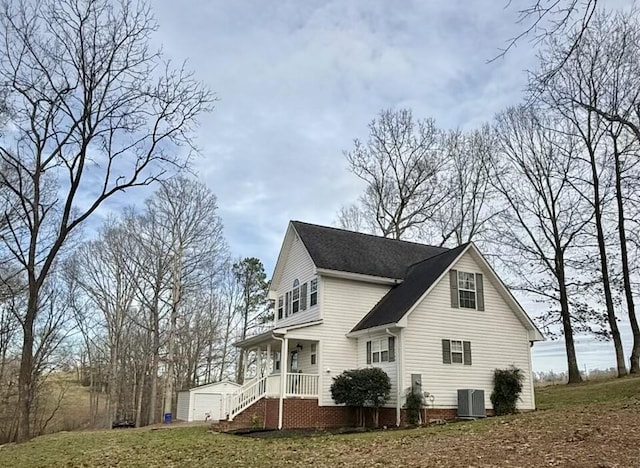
362	388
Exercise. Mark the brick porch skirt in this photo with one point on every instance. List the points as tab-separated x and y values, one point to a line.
305	413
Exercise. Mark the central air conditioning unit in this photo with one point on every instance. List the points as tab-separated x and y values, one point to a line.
471	404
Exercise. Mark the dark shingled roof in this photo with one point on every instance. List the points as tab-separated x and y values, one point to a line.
354	252
397	302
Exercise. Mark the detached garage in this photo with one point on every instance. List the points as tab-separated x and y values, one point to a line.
210	399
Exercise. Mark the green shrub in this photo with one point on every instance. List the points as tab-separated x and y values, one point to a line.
414	404
507	387
362	388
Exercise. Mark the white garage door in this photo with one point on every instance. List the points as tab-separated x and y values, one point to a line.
207	403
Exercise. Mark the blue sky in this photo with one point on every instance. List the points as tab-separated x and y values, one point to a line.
298	81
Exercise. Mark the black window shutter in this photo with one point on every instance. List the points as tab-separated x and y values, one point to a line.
392	348
368	352
303	297
479	292
453	284
466	347
446	352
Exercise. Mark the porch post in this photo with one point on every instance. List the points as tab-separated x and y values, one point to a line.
259	363
245	364
268	369
284	354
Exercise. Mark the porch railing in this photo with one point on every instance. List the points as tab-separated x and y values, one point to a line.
302	385
246	396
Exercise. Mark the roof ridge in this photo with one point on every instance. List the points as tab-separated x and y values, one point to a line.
372	235
438	254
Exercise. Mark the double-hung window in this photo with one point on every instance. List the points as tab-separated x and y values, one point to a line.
456	352
295	304
314	353
381	350
280	306
467	289
313	288
287	304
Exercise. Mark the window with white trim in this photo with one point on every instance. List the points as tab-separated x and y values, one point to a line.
287	304
280	306
380	350
456	352
467	289
276	361
314	350
313	287
295	303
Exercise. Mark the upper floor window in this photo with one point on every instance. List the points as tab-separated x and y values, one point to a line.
295	302
287	304
280	306
313	299
467	289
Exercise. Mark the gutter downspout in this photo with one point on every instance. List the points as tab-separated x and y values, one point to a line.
398	377
283	377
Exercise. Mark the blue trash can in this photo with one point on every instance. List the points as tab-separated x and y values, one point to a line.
167	418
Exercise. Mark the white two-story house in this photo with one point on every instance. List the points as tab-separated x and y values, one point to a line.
429	316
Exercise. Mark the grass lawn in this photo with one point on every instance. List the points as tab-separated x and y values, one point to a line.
592	424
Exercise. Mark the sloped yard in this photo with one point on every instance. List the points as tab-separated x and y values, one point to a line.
594	424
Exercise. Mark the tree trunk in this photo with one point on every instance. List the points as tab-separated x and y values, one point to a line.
611	315
155	361
112	383
25	379
139	396
634	360
565	311
171	337
572	360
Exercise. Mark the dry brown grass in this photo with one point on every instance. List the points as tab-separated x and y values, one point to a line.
594	425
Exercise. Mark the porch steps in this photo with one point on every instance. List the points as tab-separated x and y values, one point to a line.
246	396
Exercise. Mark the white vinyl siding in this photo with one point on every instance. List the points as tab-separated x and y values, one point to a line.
182	412
194	404
498	339
343	303
298	266
390	368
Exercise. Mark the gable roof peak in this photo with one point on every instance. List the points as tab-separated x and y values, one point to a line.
375	236
338	249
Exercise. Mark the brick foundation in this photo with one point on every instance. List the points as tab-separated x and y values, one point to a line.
299	413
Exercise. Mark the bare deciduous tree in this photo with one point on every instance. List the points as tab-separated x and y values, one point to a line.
95	111
401	164
586	77
466	214
102	273
186	211
543	218
542	20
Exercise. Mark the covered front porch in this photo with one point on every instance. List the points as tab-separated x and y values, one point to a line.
276	367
